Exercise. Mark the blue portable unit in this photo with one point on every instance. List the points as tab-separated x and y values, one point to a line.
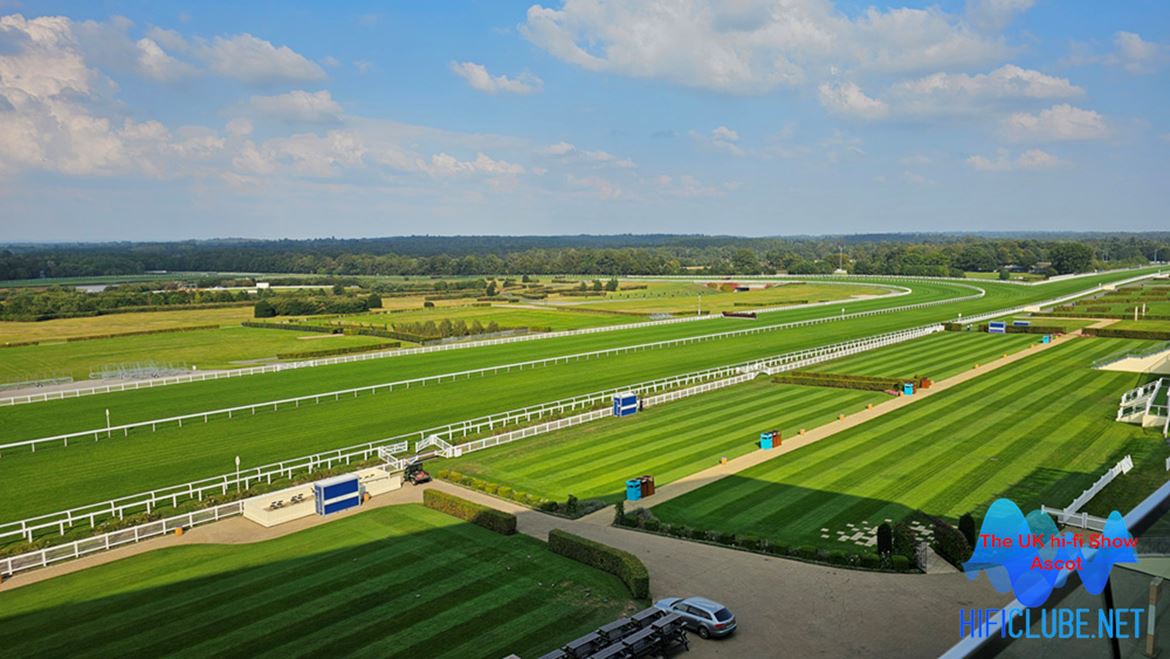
633	489
336	494
908	388
1021	323
765	440
625	404
1046	339
997	327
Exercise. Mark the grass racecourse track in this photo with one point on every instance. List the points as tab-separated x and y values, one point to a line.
207	349
400	581
683	297
937	356
515	315
1038	432
593	461
87	472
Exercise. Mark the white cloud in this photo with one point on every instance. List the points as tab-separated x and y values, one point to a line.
996	14
253	60
478	77
155	63
443	164
961	93
240	126
597	186
752	46
1032	159
847	98
559	149
566	151
722	139
1060	122
725	134
303	154
1137	55
299	105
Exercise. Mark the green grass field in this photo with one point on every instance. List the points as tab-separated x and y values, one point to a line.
64	328
1038	431
594	460
86	472
683	297
506	316
936	357
1145	325
226	347
400	581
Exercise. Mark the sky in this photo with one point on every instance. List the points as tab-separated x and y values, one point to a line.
172	120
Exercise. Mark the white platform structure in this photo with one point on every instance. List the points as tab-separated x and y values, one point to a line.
296	502
1147	405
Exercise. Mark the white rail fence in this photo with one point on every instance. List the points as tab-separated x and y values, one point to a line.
107	541
204	416
1071	515
78	392
147	501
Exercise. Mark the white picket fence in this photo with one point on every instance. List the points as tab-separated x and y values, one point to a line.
107	541
1071	515
202	376
203	416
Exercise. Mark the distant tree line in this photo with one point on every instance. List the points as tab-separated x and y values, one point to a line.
928	255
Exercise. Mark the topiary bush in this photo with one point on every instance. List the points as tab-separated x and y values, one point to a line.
489	518
967	527
623	564
900	563
885	538
872	561
805	552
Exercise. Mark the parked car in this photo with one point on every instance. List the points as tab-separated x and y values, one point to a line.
706	618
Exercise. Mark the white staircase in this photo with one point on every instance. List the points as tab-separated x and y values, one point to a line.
1147	405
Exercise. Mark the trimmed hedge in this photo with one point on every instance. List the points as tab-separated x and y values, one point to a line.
309	354
165	330
489	518
1107	333
837	380
1028	329
296	327
622	564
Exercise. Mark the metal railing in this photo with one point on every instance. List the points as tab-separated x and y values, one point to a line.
381	354
107	541
204	416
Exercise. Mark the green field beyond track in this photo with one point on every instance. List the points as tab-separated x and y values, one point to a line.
938	356
1038	431
669	441
401	581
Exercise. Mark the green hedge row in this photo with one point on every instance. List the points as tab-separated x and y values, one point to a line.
572	507
872	561
310	354
489	518
1028	329
1108	333
622	564
837	380
296	327
19	344
166	330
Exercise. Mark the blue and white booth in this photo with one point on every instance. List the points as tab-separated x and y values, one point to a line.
997	327
625	404
336	494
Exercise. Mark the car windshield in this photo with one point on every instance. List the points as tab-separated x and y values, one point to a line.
723	615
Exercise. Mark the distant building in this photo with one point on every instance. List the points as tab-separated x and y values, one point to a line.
840	271
262	285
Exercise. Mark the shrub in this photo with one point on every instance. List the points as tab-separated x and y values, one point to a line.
443	474
748	542
571	504
900	563
805	551
619	509
725	538
885	538
838	380
489	518
950	544
549	506
428	304
452	476
779	548
904	541
491	488
677	530
652	525
263	309
505	492
622	564
836	557
699	534
967	528
477	484
872	561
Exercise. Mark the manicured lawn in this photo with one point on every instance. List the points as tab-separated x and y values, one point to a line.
670	441
506	316
63	328
937	357
1038	431
401	581
226	347
683	298
1145	325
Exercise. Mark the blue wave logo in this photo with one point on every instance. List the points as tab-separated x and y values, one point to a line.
1030	557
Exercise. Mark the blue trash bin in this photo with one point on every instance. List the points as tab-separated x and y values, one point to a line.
1046	339
908	388
765	440
633	489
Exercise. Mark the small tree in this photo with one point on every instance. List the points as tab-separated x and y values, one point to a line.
525	279
374	301
612	284
1004	275
264	309
428	304
885	538
597	285
967	528
571	504
491	288
619	512
338	289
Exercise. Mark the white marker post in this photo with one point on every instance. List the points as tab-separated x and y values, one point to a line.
237	473
107	423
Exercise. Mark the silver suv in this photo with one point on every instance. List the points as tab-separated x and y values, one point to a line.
706	618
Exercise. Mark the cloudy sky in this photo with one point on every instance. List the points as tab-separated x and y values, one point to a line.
132	120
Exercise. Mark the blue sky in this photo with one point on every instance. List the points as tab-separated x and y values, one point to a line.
135	120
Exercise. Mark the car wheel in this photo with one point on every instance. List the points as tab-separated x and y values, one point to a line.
704	632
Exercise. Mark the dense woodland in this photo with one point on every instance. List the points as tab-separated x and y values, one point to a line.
897	254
